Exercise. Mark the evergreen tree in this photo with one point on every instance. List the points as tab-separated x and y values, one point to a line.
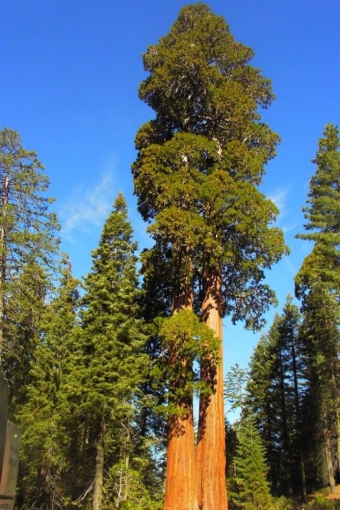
249	488
320	337
196	175
112	337
235	387
23	328
318	285
321	213
275	393
27	242
44	418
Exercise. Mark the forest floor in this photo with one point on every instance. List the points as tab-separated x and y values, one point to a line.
326	494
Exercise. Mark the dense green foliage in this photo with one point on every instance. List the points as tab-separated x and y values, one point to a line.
249	487
93	373
113	364
294	373
201	158
28	249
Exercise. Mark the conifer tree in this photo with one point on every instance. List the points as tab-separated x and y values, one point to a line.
249	488
275	393
23	328
321	213
196	175
112	337
318	285
44	418
27	230
320	339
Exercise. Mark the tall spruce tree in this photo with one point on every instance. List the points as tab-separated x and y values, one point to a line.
318	286
322	215
196	175
23	328
27	236
275	392
249	487
320	338
45	464
112	338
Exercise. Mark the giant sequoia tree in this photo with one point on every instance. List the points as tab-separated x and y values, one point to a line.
196	174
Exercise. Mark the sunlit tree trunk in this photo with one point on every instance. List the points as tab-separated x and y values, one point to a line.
180	491
210	452
180	471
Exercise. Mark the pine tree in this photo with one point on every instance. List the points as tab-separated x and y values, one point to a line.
318	285
275	393
235	387
112	337
23	328
249	488
44	418
27	234
196	175
321	213
320	338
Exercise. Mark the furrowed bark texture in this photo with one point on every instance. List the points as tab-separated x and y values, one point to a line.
180	489
210	452
180	471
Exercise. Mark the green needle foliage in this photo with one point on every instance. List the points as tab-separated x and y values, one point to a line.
320	337
275	390
27	228
234	387
322	214
199	164
113	364
45	421
318	286
249	488
191	341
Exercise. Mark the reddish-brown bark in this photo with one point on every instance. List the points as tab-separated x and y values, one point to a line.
180	489
210	452
180	474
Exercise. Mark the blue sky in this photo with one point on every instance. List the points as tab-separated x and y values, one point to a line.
70	71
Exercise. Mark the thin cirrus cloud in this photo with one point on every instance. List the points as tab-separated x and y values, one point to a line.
86	209
280	198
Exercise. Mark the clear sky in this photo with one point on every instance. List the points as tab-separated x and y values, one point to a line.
69	74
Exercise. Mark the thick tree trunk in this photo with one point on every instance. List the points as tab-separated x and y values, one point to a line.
180	471
210	452
180	489
99	473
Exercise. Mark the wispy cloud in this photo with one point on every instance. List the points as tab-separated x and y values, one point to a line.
86	208
280	199
290	226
